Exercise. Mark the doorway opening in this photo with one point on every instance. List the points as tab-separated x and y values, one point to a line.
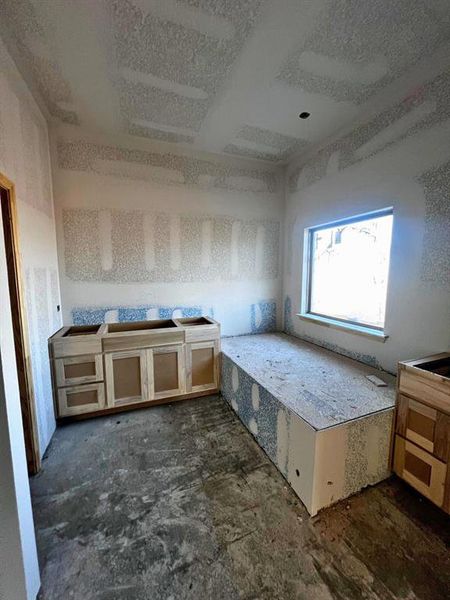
10	239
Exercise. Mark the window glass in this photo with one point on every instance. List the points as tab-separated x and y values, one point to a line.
349	267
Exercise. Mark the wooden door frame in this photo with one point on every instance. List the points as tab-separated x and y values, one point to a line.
9	234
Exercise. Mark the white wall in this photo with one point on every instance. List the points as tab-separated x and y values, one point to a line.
401	159
148	234
25	160
19	571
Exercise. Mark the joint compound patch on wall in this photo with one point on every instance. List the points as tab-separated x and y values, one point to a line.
358	48
264	316
153	132
436	243
166	87
288	325
166	168
24	157
367	447
37	58
25	160
359	356
117	314
136	246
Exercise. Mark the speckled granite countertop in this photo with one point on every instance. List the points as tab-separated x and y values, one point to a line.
322	387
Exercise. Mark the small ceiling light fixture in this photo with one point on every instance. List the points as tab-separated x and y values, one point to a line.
304	115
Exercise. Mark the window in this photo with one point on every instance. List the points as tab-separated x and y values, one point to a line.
347	270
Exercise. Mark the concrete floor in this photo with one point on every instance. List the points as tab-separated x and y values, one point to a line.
178	502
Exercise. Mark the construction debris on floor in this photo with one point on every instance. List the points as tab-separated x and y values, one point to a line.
180	503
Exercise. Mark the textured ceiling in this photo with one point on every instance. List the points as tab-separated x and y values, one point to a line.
219	75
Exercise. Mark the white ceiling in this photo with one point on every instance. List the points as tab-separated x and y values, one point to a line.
219	75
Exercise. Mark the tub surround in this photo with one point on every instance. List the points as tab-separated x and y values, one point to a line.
321	421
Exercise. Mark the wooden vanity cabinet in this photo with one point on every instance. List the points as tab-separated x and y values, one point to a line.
102	368
422	427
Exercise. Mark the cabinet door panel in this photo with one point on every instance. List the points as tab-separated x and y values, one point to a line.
167	371
202	366
126	377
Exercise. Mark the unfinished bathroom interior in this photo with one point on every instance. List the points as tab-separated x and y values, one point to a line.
225	299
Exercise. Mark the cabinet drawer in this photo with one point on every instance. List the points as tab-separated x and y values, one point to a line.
423	425
81	399
78	370
422	471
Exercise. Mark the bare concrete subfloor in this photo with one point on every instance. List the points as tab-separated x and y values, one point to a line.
178	502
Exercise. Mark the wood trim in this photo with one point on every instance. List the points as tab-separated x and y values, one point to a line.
414	368
76	346
446	501
115	342
442	437
20	325
184	321
423	360
201	334
60	333
417	385
103	329
401	414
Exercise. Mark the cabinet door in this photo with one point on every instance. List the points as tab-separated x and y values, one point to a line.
202	366
79	369
166	367
81	399
126	377
421	470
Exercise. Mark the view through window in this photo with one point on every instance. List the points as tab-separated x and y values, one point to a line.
349	267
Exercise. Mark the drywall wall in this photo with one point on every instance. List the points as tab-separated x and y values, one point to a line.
25	160
151	234
19	571
401	158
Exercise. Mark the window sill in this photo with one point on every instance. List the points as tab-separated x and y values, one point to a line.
374	334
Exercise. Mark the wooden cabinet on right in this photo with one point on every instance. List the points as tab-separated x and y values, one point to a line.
422	427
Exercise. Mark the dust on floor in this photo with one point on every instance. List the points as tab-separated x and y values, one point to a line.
178	502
